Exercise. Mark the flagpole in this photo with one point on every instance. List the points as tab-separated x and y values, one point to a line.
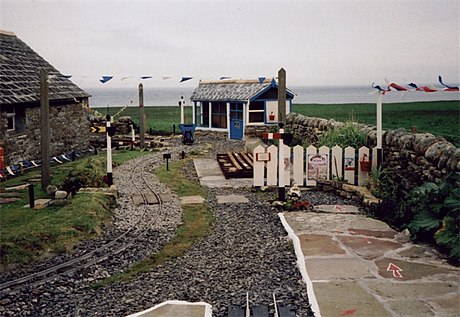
379	129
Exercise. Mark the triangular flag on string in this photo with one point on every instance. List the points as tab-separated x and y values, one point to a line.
166	77
224	77
105	79
67	76
125	77
383	91
448	88
146	77
422	88
396	87
185	79
261	80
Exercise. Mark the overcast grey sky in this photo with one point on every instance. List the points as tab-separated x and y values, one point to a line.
317	42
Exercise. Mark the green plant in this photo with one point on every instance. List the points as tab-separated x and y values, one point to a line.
436	209
374	181
349	134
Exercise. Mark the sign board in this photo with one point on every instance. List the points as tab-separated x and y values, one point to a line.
263	157
317	166
97	129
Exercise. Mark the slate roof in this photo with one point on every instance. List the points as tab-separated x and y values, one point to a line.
232	90
19	74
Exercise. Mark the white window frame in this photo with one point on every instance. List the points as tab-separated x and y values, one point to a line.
12	115
254	111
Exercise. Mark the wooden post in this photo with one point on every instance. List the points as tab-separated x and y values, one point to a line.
141	116
44	128
281	119
281	95
108	119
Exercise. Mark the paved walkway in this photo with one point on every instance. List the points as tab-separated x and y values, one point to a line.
358	266
211	175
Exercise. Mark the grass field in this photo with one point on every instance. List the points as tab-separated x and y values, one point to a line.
440	117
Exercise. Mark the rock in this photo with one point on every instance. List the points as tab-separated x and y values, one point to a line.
60	194
51	190
58	202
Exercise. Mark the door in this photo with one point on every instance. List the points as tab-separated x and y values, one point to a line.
236	121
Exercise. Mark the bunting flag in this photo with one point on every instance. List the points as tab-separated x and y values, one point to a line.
423	88
105	79
383	91
67	76
125	77
224	77
397	87
185	79
261	80
166	77
448	88
146	77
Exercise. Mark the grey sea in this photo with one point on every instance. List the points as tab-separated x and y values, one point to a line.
116	97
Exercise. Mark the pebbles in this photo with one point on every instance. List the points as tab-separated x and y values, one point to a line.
246	251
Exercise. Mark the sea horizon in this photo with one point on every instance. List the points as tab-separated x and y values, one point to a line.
334	94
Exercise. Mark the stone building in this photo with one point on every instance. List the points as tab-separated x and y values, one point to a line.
20	104
232	106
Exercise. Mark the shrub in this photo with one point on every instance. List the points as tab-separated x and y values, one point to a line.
89	173
436	209
349	134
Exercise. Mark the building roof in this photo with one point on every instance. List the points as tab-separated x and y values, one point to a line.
234	90
19	74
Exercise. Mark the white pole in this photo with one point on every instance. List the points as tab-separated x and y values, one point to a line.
181	103
109	152
281	163
379	120
379	130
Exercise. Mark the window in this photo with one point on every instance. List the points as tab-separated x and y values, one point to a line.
219	115
16	119
256	112
205	113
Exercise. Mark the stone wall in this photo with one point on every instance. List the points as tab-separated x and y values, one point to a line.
69	130
416	157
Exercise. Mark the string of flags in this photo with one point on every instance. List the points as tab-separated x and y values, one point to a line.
106	78
415	87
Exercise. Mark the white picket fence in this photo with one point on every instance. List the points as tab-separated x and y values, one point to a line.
305	166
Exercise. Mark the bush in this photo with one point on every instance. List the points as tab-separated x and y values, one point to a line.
89	173
349	134
436	209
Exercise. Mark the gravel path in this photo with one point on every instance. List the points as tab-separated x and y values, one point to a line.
247	251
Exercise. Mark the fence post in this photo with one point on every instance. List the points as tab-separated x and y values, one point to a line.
298	165
363	154
272	166
311	151
337	162
350	165
259	167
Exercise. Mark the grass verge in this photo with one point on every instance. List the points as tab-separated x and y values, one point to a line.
26	234
196	224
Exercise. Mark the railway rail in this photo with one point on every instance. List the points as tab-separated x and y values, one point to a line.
117	245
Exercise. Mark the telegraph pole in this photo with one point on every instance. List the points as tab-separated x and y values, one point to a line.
281	119
44	128
142	116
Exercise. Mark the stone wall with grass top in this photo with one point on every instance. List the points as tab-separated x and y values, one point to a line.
415	157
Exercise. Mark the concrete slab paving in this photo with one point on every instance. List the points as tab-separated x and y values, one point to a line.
347	299
332	268
358	266
232	199
191	200
176	308
39	203
338	209
211	175
319	244
369	248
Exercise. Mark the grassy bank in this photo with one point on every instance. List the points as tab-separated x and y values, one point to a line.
26	234
439	117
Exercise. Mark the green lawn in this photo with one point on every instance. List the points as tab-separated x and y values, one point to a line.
440	118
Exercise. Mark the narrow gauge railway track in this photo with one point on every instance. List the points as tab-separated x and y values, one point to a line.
101	253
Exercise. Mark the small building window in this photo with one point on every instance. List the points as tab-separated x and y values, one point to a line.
219	115
256	112
16	119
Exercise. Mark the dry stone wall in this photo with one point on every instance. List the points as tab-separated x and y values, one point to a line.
415	157
69	130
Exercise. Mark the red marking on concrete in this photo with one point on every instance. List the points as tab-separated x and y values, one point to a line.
348	312
395	269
